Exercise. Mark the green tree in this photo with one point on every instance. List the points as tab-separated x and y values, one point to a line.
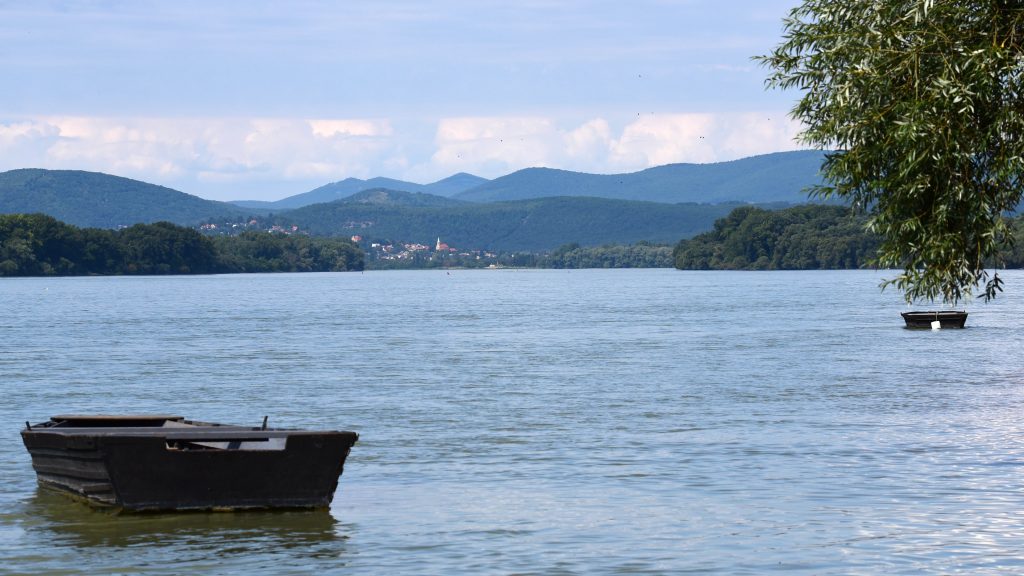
165	248
40	245
922	103
809	237
271	252
37	244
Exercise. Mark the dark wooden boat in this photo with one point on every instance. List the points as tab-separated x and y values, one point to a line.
945	318
148	462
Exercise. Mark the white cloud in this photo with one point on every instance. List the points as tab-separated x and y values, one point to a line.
331	128
24	143
493	146
188	152
757	133
498	143
232	158
590	143
701	138
136	148
24	131
664	139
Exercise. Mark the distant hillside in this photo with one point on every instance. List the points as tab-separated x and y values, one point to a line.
779	177
96	200
331	192
338	190
539	224
385	197
454	184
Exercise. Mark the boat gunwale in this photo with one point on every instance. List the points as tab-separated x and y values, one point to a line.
116	417
186	434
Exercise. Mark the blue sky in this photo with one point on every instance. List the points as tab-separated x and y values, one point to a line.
262	100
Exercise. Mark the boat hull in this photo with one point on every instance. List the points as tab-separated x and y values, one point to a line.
201	468
945	318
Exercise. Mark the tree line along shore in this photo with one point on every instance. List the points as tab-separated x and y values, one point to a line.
40	245
807	237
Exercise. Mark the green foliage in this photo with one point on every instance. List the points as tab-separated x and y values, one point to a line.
639	255
922	102
807	237
1012	254
31	244
40	245
165	248
266	252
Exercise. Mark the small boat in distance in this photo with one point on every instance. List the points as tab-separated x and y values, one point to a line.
155	462
926	320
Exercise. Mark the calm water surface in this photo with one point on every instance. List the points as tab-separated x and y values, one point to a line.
540	422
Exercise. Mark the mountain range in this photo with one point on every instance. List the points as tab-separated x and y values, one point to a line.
531	209
778	177
337	190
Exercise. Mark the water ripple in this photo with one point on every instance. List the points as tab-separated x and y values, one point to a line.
540	422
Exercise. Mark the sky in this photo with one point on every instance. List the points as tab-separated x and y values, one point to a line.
261	100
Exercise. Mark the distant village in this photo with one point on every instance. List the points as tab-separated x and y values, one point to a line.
230	228
384	254
410	251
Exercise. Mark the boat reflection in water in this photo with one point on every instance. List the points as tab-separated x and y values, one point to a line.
223	533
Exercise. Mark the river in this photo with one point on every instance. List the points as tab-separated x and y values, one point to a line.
540	421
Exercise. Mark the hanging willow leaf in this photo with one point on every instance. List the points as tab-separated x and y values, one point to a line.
921	107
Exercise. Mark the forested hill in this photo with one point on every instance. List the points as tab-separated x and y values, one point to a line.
97	200
533	225
779	177
385	197
350	186
806	237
